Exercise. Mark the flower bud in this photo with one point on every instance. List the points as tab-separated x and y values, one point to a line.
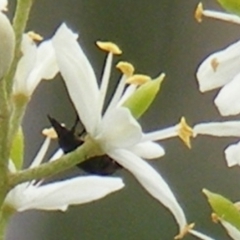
7	44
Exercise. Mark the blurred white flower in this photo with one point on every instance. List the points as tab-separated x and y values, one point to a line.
116	131
37	63
221	69
61	194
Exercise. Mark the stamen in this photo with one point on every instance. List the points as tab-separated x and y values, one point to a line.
185	132
126	68
214	217
50	133
199	12
35	36
185	231
214	64
109	47
138	79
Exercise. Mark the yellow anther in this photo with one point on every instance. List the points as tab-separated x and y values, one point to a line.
138	79
35	36
50	133
109	47
126	68
185	231
199	12
214	64
214	217
185	132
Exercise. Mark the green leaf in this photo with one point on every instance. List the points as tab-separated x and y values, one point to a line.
143	97
224	208
232	6
17	150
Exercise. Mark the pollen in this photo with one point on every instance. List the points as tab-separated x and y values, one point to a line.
185	132
199	12
185	231
126	68
35	36
138	79
214	64
50	133
109	47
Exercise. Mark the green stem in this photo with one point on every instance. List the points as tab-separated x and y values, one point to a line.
5	215
87	150
19	24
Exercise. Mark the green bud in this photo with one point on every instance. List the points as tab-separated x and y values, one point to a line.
142	98
17	150
7	44
224	208
232	6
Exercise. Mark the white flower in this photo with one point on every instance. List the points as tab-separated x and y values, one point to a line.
7	42
37	63
221	69
116	131
61	194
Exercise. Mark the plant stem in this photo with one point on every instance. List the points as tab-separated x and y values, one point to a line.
87	150
5	215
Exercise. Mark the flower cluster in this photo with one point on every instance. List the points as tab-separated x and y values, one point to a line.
221	70
114	132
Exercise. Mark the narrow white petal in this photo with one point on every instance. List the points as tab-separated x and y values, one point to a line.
25	65
119	129
228	99
219	68
161	134
200	235
60	195
148	150
232	154
46	65
218	129
233	232
105	81
41	153
78	76
151	180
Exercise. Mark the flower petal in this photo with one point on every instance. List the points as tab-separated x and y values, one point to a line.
232	154
25	65
228	99
151	180
59	195
218	129
219	68
118	129
233	232
148	150
46	65
78	76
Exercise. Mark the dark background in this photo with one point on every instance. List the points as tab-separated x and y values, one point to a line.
156	36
